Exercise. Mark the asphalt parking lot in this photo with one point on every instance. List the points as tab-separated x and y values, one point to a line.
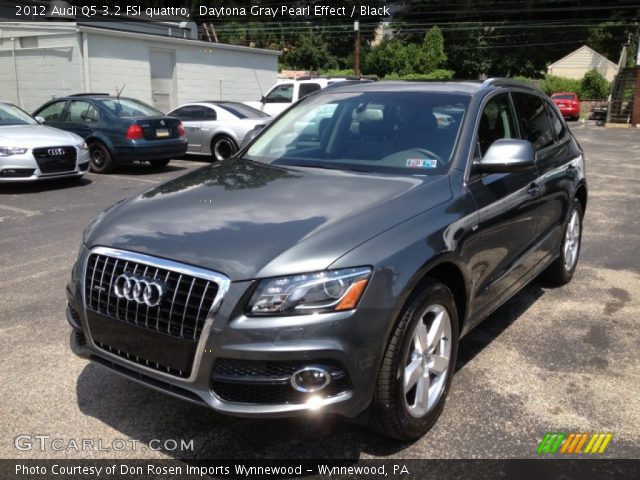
563	360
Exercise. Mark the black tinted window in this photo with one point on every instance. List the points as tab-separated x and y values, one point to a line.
534	122
496	122
190	112
307	88
557	125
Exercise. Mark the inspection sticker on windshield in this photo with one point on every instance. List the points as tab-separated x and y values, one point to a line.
422	163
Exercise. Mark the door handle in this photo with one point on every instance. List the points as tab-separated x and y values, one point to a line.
533	189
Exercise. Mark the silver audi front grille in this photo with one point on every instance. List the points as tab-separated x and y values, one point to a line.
158	295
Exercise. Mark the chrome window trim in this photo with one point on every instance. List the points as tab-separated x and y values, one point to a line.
221	280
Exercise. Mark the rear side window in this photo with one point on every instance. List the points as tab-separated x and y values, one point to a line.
534	121
307	88
82	112
188	113
557	125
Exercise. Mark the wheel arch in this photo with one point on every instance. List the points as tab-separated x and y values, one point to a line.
581	195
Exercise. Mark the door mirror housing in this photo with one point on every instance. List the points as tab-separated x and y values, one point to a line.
506	156
40	119
263	99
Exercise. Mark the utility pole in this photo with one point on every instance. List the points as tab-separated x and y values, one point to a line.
356	51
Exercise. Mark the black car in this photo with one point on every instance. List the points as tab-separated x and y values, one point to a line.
336	261
117	130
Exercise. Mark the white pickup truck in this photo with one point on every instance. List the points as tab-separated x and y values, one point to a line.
287	92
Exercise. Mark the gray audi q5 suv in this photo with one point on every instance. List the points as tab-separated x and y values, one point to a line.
334	263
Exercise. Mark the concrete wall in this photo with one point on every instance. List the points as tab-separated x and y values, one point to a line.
57	67
45	64
576	64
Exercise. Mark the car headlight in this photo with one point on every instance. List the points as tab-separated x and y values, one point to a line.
83	146
329	291
7	151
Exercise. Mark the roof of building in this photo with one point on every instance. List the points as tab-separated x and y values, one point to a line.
584	47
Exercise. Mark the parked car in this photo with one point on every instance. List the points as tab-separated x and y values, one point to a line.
117	130
339	272
287	92
217	128
30	151
568	103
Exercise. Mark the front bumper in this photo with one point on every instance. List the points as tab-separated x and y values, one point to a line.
24	168
146	150
350	343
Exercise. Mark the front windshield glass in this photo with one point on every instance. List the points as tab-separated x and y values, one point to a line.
385	132
127	107
12	115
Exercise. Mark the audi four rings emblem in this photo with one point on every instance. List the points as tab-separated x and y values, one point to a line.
139	289
55	152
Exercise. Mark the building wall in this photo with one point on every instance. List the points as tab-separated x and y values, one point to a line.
56	67
580	62
47	64
201	71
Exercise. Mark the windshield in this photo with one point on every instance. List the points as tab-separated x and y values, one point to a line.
12	115
127	107
242	111
564	97
385	132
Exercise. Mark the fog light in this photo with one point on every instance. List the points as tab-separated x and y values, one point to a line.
310	379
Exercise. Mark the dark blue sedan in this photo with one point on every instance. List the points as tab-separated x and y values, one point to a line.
117	130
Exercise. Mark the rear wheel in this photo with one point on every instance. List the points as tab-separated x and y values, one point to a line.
160	163
223	147
101	160
561	271
418	364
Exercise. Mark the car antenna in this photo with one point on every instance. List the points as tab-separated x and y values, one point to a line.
120	91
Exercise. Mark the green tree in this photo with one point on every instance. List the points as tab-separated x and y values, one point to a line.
310	53
594	86
432	54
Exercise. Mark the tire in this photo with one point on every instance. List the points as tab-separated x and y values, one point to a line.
223	146
101	159
401	415
160	163
561	271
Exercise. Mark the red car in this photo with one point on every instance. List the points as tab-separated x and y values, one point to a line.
568	104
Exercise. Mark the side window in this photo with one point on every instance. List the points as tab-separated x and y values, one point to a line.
496	122
281	94
189	113
52	113
209	114
82	112
557	125
307	88
534	122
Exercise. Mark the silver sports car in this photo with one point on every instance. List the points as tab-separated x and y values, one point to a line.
30	151
217	128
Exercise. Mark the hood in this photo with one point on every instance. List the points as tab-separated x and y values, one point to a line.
249	220
34	136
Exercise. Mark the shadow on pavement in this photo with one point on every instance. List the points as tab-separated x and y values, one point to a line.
44	185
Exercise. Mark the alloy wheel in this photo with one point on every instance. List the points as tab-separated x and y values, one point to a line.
571	241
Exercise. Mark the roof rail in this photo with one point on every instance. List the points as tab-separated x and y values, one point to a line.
506	82
89	95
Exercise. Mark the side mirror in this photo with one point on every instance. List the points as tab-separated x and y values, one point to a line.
507	156
40	119
263	99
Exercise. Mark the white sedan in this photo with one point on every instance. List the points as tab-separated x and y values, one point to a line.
30	151
218	128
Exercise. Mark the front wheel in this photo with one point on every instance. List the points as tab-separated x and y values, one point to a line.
561	271
417	367
223	147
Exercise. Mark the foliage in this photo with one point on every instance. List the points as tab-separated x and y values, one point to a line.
439	74
431	55
310	53
594	86
551	84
